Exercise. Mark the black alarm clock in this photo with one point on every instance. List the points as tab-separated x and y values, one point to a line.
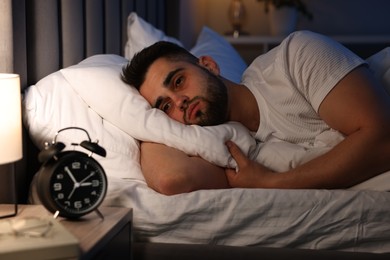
71	183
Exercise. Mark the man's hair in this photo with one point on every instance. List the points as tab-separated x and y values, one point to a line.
134	72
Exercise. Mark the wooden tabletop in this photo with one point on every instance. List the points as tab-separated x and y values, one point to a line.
92	231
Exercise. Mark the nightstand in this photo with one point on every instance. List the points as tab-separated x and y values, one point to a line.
110	238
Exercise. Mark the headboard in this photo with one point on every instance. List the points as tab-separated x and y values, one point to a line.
52	34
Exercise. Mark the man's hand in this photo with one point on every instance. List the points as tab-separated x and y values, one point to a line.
250	174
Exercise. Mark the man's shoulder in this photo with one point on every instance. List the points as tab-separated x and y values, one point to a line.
304	35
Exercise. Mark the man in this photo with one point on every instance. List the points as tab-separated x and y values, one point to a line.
307	85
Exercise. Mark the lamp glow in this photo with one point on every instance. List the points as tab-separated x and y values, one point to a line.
11	148
10	119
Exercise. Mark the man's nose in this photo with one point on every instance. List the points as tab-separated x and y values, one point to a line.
180	101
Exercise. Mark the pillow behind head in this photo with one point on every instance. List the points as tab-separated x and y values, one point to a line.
210	43
380	65
141	34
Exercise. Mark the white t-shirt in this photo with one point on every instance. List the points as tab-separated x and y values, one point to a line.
290	82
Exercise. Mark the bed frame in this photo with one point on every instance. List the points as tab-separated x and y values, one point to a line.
51	34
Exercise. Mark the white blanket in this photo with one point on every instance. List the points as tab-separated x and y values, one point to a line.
312	219
281	156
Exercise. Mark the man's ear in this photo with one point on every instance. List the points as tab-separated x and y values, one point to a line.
210	64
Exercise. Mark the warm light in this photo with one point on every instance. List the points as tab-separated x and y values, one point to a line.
10	119
237	16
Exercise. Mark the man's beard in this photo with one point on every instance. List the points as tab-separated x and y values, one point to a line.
216	103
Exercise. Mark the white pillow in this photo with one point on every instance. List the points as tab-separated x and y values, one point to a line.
210	43
142	34
380	65
102	89
52	104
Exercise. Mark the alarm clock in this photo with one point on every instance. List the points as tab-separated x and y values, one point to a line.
71	183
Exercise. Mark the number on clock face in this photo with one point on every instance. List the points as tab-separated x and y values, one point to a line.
78	184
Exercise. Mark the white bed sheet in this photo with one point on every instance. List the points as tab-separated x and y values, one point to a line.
313	219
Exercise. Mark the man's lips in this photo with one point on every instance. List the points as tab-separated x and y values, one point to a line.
192	110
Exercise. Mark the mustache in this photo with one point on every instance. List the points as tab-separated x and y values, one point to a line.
188	104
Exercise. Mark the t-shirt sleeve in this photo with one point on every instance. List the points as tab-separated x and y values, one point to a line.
316	63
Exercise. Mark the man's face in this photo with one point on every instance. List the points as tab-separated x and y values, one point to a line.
186	92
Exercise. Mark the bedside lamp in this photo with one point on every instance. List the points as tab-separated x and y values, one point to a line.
237	16
10	125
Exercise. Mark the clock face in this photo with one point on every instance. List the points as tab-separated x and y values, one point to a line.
78	184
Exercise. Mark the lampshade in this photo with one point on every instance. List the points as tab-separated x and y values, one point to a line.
10	119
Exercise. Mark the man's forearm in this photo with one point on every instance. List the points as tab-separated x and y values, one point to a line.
170	171
357	158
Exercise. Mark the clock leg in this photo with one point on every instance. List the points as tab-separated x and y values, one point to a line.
99	214
56	214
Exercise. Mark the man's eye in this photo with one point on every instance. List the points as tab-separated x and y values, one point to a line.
178	82
166	107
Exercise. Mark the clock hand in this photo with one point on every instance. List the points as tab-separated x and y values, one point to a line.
85	184
86	178
75	186
70	174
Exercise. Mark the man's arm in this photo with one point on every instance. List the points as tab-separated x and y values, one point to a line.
357	107
170	171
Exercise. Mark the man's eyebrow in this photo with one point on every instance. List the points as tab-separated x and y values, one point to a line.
170	75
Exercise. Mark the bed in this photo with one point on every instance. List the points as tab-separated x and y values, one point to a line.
58	77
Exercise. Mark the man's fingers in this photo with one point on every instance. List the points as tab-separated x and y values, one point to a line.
236	152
